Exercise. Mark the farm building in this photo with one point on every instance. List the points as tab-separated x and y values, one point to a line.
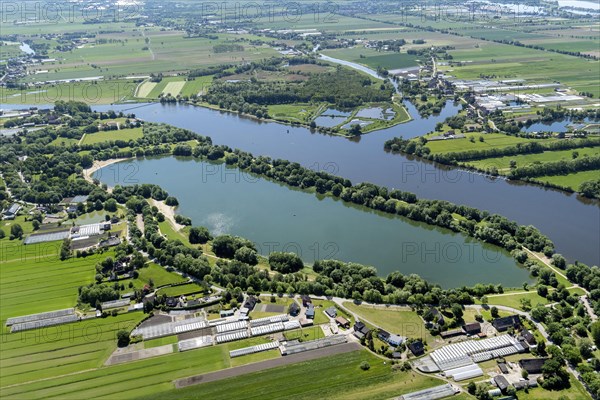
501	382
434	393
503	324
503	368
310	312
12	211
417	348
465	372
451	333
295	347
472	328
226	313
533	365
531	383
470	351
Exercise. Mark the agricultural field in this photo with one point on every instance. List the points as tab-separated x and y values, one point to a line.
373	59
92	92
334	377
535	66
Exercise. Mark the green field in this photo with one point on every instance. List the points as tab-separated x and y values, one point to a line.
179	290
335	377
294	112
33	279
510	62
491	140
107	136
373	59
100	92
503	163
514	300
571	180
159	276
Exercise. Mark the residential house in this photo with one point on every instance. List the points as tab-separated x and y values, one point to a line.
343	322
306	300
360	330
331	312
294	309
417	348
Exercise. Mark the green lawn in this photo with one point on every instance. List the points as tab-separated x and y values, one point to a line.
160	341
335	377
491	140
107	136
514	301
575	392
573	181
173	291
305	334
159	276
503	163
294	112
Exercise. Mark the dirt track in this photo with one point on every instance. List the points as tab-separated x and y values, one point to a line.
260	366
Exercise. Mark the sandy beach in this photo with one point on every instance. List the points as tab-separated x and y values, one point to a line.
168	212
87	173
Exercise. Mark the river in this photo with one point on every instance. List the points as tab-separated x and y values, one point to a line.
278	218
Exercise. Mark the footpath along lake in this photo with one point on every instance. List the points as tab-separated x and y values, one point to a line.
277	218
573	224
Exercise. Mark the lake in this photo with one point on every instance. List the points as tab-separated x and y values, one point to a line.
279	218
572	223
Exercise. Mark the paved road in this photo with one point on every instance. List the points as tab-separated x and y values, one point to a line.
260	366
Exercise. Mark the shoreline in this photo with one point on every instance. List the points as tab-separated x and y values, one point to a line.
98	165
168	212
